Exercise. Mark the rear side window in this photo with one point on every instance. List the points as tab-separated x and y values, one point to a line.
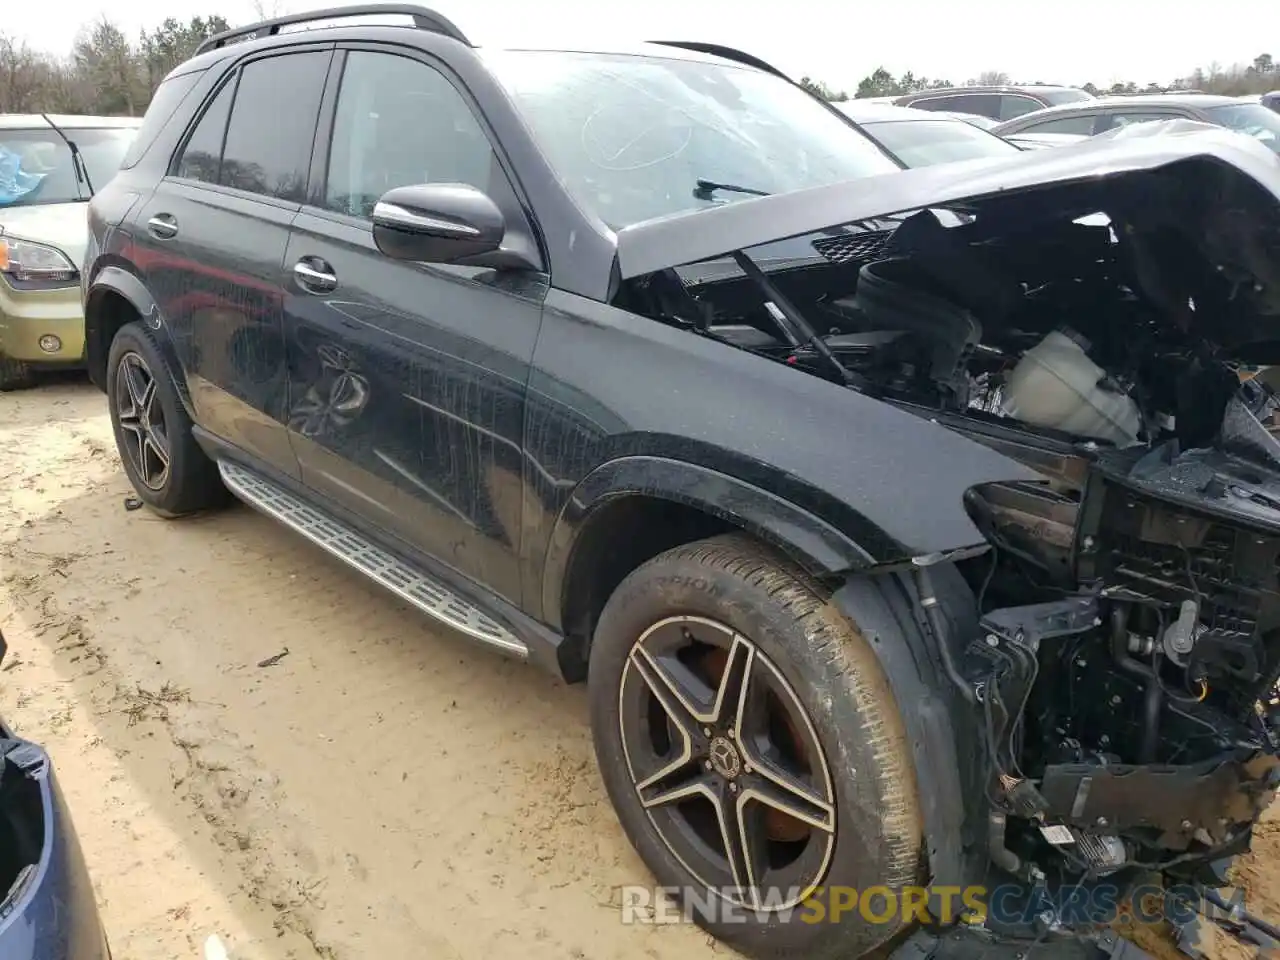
983	104
169	96
273	123
257	133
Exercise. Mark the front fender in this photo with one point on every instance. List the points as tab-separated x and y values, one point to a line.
817	545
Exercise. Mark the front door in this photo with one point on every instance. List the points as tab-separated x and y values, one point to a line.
408	380
212	241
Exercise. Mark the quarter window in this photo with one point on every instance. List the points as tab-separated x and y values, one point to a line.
203	152
400	122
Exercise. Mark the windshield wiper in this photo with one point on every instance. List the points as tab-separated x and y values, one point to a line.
703	189
77	161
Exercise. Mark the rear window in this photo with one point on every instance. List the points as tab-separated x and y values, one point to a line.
922	143
164	103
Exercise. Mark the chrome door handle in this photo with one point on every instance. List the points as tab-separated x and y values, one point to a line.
316	281
163	226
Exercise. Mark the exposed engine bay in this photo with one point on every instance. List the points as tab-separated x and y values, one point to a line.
1109	335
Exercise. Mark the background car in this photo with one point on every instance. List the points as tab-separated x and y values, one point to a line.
47	910
49	168
1271	100
918	138
999	103
1099	116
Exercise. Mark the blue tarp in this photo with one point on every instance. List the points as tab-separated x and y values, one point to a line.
15	183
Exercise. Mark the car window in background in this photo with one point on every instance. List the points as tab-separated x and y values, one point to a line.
1113	120
202	155
1250	118
1080	125
273	122
164	103
1057	97
631	136
400	122
36	166
1014	105
922	143
983	104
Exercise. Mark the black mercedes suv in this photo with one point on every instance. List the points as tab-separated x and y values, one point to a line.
912	530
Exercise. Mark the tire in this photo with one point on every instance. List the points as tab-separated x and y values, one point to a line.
864	830
14	374
190	483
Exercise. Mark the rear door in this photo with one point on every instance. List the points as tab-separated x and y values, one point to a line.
212	240
409	379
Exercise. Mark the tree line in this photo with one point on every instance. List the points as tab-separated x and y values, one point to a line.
1260	76
107	74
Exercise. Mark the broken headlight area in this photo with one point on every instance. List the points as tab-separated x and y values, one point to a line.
1106	332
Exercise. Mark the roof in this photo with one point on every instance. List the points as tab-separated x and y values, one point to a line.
30	121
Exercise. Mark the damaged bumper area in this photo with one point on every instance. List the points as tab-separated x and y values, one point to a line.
1099	314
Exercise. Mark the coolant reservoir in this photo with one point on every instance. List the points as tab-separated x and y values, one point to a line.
1055	385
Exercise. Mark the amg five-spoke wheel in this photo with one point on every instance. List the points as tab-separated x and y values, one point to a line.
753	749
726	762
168	470
141	421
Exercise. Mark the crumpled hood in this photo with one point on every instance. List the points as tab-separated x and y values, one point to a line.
1205	203
61	225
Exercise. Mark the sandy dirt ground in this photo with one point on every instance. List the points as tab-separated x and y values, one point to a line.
379	791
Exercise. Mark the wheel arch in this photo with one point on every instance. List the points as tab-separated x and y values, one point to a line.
117	297
631	509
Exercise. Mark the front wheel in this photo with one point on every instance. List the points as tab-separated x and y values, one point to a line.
750	743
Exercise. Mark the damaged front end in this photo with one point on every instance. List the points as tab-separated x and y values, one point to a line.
1099	313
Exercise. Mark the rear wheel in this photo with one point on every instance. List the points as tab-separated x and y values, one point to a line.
167	468
752	748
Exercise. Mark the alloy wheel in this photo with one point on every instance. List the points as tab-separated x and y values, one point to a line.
726	763
141	418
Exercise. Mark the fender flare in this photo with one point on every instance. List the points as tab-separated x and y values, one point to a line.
118	280
817	545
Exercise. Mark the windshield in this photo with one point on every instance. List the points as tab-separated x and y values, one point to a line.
631	136
922	143
36	165
1251	118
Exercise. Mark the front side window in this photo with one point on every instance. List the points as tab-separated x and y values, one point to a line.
632	137
256	134
400	122
922	143
1128	119
37	167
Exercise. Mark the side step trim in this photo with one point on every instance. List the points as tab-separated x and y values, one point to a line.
407	582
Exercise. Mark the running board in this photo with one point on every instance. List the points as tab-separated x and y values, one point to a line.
425	592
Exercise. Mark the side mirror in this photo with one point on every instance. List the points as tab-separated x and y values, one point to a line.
437	223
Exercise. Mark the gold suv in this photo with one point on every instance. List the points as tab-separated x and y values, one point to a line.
49	167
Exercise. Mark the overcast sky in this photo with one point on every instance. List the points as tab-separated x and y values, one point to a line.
838	41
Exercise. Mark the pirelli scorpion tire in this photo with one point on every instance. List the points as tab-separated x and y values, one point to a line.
750	743
167	468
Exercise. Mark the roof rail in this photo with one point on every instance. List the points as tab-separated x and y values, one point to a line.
423	19
727	53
